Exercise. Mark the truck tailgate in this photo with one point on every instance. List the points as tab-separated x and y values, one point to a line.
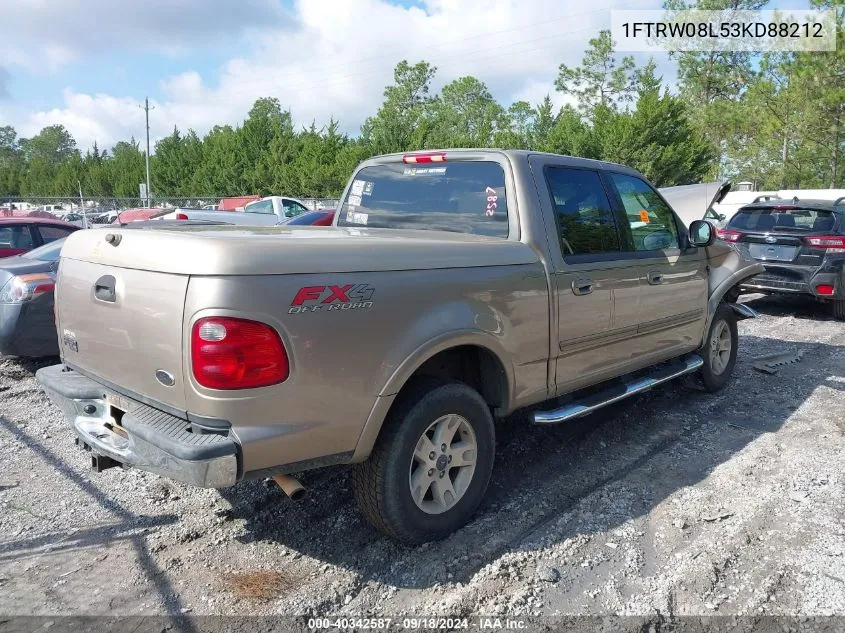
124	326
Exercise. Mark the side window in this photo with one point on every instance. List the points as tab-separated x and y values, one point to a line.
292	209
651	220
262	206
585	220
17	237
51	233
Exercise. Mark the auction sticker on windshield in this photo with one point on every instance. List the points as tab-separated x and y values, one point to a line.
356	217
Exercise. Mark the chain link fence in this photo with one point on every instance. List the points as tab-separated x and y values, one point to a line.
64	205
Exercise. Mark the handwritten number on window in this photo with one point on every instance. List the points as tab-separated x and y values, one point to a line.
492	201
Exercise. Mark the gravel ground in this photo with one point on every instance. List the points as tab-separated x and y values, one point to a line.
677	503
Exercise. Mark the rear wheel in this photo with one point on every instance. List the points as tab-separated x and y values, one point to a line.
430	468
839	309
720	349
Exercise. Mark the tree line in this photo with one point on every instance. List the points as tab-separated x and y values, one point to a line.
776	119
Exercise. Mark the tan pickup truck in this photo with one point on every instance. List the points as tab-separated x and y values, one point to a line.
454	288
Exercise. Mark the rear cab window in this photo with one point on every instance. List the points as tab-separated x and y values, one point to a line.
458	196
262	206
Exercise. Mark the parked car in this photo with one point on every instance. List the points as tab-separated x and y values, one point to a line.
135	215
265	212
27	326
312	218
73	218
106	217
157	224
724	210
19	235
455	287
801	244
236	203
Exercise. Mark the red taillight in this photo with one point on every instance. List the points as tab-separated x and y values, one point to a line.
438	157
231	353
41	284
835	243
26	288
728	236
824	289
181	216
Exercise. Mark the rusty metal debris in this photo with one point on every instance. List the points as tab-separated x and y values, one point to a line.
770	363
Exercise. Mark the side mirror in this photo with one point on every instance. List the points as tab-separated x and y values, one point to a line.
701	233
721	217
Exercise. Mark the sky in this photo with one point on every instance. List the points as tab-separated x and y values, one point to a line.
89	64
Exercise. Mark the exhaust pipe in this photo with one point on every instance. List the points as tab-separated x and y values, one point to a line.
292	488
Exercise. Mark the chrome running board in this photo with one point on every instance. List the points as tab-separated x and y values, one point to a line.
615	393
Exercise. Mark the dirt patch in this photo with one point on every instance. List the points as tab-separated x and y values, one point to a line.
257	585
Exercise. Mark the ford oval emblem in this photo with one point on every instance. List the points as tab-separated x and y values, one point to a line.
770	239
165	378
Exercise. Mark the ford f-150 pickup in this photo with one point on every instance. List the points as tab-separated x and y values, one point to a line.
267	211
454	288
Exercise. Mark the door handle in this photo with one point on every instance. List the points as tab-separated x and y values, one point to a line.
655	278
104	289
582	286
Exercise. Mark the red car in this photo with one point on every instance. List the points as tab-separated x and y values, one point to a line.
138	215
19	235
323	217
233	204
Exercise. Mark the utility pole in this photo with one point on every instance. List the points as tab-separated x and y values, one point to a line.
82	206
146	107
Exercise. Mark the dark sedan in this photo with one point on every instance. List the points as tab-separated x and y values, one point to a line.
27	282
801	243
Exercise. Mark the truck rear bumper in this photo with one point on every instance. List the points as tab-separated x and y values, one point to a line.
138	435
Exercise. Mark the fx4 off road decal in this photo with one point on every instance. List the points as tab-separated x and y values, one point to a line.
332	298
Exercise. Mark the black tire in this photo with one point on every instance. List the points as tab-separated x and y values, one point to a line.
839	309
715	379
381	484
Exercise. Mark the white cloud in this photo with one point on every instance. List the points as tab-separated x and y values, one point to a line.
4	79
51	33
339	54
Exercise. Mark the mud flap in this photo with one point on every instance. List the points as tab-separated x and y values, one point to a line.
742	311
